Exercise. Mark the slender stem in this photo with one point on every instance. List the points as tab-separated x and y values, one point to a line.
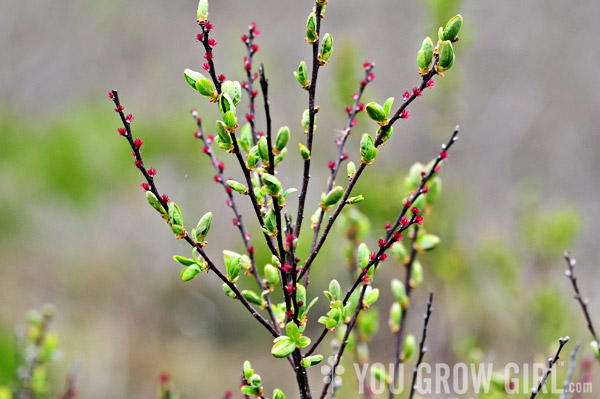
570	273
338	356
340	153
238	216
164	201
210	59
311	121
398	227
249	83
403	318
572	364
422	348
551	362
378	141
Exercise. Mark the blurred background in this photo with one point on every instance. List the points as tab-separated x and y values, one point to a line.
76	232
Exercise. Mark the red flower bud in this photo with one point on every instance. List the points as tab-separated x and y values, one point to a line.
164	199
206	66
398	236
406	95
152	172
208	25
138	164
251	250
217	179
111	95
244	38
138	143
331	165
383	257
404	221
286	267
145	186
419	219
443	155
222	78
431	83
417	92
380	243
200	37
122	131
388	225
405	114
212	42
367	65
254	48
205	150
119	108
415	210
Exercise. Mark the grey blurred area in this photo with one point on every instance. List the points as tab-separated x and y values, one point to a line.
524	90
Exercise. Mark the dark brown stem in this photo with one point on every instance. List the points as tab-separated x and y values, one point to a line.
551	362
208	49
570	273
238	216
338	356
150	180
340	155
378	141
250	82
311	121
422	348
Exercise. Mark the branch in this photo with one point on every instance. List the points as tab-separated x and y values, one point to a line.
238	221
164	200
251	49
572	364
338	356
352	111
379	140
551	362
311	121
422	348
570	273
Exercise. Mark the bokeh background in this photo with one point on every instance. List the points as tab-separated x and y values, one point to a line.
75	230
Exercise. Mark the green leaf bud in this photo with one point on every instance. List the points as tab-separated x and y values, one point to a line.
416	274
271	185
351	169
302	76
263	149
333	197
222	133
226	104
236	186
188	273
364	255
233	264
427	242
252	158
446	56
283	136
245	140
280	157
228	291
278	394
399	291
271	274
292	331
398	251
202	10
284	346
305	120
233	89
409	347
368	152
270	223
395	316
252	297
326	49
595	349
230	120
375	112
435	189
203	226
356	199
312	360
304	152
453	27
311	28
155	203
175	214
371	297
387	106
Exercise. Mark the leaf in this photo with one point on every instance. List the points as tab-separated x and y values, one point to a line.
283	347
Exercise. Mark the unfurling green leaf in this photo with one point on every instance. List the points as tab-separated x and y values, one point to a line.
302	76
280	157
236	186
387	106
375	112
228	291
222	133
368	152
245	140
311	28
425	56
263	149
230	120
306	120
446	56
226	104
155	203
453	27
283	136
326	49
252	297
304	152
351	169
270	223
188	273
335	291
427	242
364	255
395	316
278	394
398	252
233	264
203	227
284	346
416	274
595	349
202	10
371	297
271	185
333	197
409	347
292	331
271	274
399	291
233	90
312	360
356	199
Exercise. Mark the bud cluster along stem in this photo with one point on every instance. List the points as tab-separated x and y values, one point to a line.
238	220
551	362
352	112
164	201
258	156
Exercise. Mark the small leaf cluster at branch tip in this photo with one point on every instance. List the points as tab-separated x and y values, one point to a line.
286	344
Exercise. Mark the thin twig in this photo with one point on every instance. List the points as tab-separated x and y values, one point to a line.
422	348
338	356
238	216
164	202
572	364
551	362
570	273
311	120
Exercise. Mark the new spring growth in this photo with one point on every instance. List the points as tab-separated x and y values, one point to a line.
278	394
302	76
304	152
427	242
271	276
237	186
176	220
595	349
223	138
283	136
201	84
446	57
233	265
351	169
285	345
203	228
263	150
395	316
270	224
252	384
311	28
356	199
326	49
450	32
371	296
271	185
416	274
155	203
368	152
306	121
331	198
399	291
425	56
408	349
202	11
311	361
